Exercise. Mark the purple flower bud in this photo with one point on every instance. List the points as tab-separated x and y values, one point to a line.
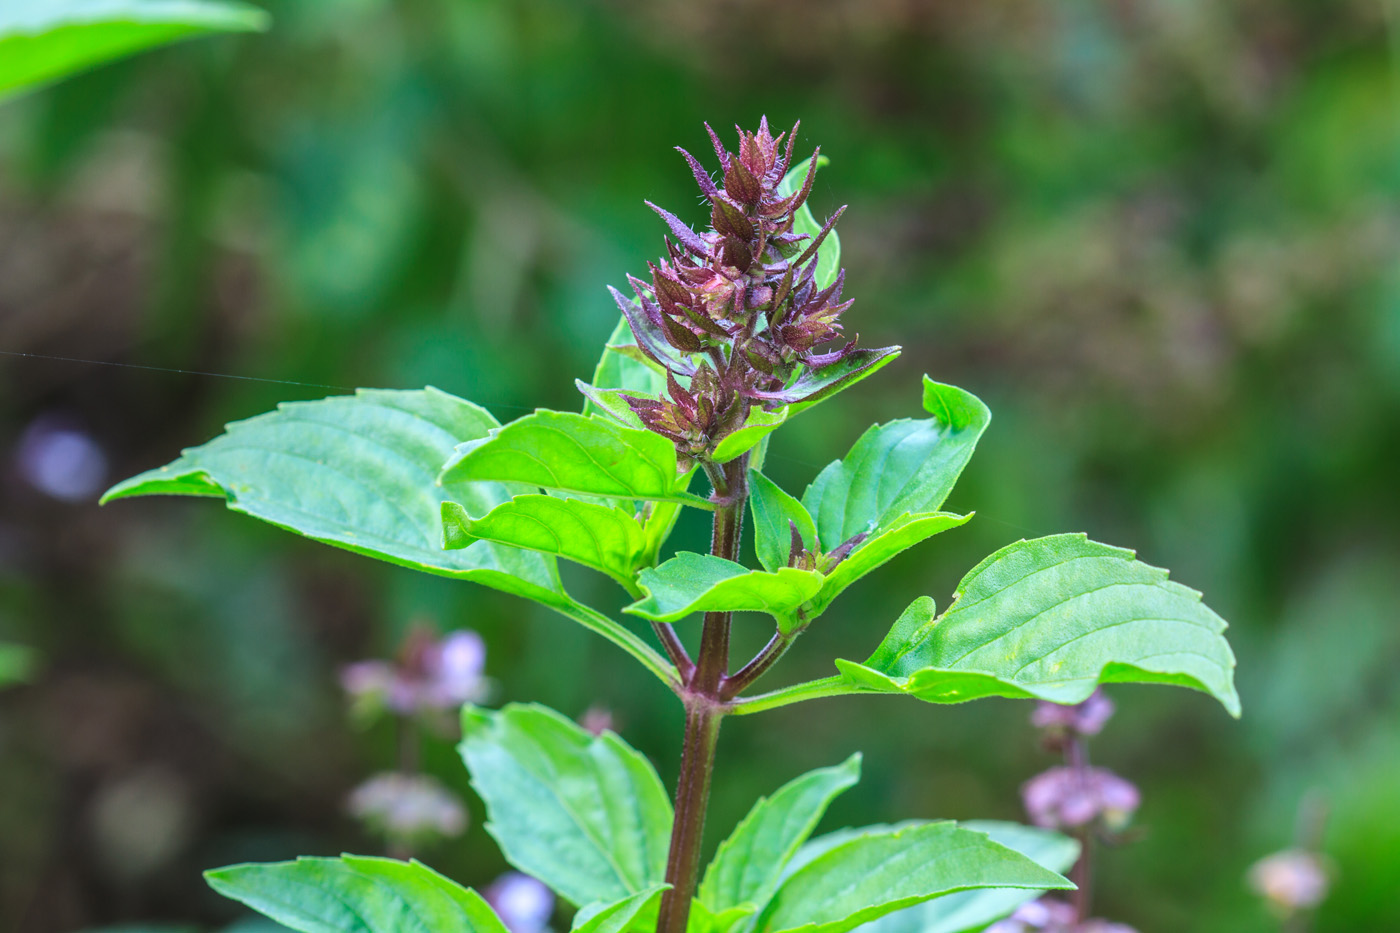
741	185
1291	880
367	679
1070	798
1087	718
523	903
729	219
410	809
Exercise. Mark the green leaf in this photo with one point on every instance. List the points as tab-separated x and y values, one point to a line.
702	920
758	425
574	453
773	509
359	472
607	539
1052	618
691	582
829	253
972	910
904	467
45	40
747	866
660	521
896	536
352	894
608	403
619	915
585	814
816	385
865	876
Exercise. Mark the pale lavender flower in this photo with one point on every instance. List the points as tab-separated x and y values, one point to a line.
1087	718
1040	916
408	809
597	720
1291	880
455	670
430	675
1069	798
60	460
523	903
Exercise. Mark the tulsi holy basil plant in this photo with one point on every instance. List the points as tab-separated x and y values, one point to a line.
732	332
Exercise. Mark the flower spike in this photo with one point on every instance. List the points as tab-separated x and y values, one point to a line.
733	315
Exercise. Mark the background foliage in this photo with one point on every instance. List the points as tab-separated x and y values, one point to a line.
1158	238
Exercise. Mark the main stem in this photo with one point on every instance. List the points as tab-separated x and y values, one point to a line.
1077	757
705	706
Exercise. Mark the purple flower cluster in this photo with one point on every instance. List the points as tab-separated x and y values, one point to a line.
735	315
1292	880
408	809
1080	719
430	675
1076	796
1073	798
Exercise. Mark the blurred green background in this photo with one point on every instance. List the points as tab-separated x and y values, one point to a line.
1158	237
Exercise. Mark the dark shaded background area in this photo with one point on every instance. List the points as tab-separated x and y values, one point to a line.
1159	237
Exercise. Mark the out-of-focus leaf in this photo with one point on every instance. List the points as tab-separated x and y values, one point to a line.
748	864
660	522
972	910
691	582
45	40
16	663
871	873
605	538
359	472
900	468
616	370
774	512
1052	618
575	453
585	814
352	894
829	253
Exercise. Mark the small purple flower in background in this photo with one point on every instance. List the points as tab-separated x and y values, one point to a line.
1042	916
523	903
408	810
1071	798
1084	719
597	720
1292	880
430	675
60	460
